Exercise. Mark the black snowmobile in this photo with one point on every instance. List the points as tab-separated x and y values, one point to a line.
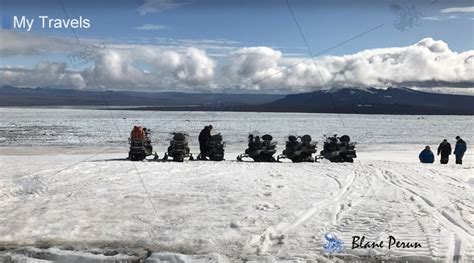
140	144
179	148
214	148
299	150
260	150
339	149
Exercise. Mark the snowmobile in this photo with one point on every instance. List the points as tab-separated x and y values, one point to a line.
179	148
299	150
140	144
339	149
260	150
214	148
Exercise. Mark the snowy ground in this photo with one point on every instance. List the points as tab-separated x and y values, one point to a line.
78	203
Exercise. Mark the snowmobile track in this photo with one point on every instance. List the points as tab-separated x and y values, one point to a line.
455	225
275	235
461	233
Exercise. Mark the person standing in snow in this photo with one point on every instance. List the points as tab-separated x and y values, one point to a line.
426	156
204	138
445	150
459	149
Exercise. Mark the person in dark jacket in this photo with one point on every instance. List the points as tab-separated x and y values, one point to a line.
459	149
445	150
426	156
204	138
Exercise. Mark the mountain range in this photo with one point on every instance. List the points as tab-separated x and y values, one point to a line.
347	100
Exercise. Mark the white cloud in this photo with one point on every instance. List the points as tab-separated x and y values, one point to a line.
154	6
184	69
42	75
432	18
428	63
116	69
151	27
465	9
439	18
14	43
254	62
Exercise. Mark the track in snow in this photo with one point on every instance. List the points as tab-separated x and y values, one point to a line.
241	210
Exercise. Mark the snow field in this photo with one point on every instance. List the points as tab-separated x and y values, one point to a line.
67	194
238	211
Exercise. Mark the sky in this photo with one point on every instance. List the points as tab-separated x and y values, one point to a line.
239	46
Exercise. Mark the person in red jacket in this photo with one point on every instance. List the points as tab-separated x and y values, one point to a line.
137	133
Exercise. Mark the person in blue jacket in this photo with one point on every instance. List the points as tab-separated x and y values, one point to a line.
459	149
426	156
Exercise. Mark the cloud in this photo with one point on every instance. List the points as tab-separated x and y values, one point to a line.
150	27
465	9
439	18
251	64
14	43
189	68
428	63
116	69
432	18
42	75
181	69
154	6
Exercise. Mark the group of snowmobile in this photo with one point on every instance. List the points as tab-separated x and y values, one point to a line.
260	149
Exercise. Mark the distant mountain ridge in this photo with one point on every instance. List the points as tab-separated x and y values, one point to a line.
13	96
376	101
348	100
